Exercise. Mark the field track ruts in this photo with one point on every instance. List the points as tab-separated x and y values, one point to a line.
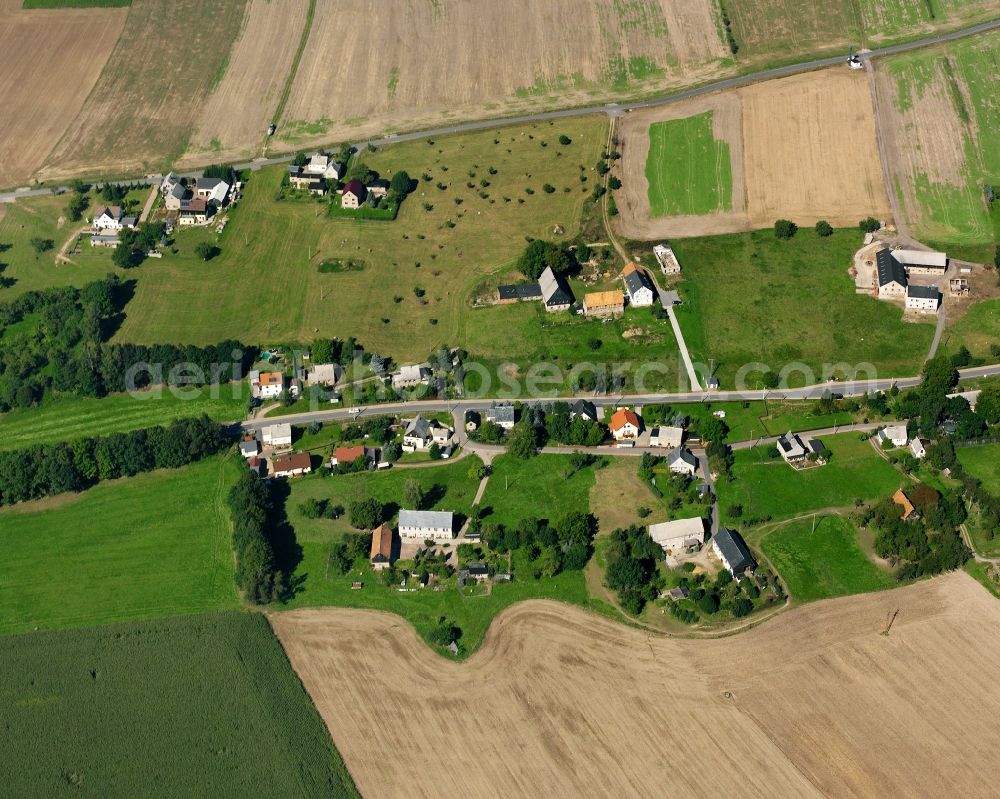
814	703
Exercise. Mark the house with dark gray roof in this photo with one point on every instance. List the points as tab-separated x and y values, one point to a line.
584	408
890	274
682	461
638	286
732	550
501	414
518	292
925	299
556	295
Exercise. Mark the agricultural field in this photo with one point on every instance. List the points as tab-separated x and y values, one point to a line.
818	557
568	53
234	118
558	700
688	169
828	166
74	45
66	417
768	487
195	706
140	113
148	546
789	302
272	249
939	109
888	20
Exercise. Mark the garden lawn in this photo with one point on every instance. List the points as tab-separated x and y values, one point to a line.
753	298
822	562
768	487
66	417
203	705
536	487
153	545
271	250
688	169
978	330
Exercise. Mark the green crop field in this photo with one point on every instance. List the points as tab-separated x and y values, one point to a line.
65	417
751	297
76	3
822	561
769	487
688	169
886	20
265	286
153	545
197	706
978	329
953	90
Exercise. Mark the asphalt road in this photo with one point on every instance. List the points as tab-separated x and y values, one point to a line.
847	389
612	108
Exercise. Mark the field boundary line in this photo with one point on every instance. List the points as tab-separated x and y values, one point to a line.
293	70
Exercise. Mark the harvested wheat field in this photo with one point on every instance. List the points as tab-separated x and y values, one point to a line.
815	703
235	117
802	147
140	113
371	66
39	103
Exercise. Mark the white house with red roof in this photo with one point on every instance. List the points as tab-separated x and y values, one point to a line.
625	425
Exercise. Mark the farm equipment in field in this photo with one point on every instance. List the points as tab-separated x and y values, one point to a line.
853	61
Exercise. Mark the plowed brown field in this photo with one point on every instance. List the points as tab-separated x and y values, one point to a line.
802	148
558	702
49	62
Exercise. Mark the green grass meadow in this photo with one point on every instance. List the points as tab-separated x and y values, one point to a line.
978	329
766	486
203	705
750	297
982	463
536	487
688	169
66	417
265	284
822	560
153	545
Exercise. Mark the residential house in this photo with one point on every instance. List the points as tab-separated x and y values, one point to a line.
682	461
381	550
345	455
323	374
604	303
354	194
170	181
300	180
410	376
677	594
320	164
909	513
420	524
111	217
583	408
679	534
556	295
667	260
731	549
924	299
277	436
918	447
890	274
664	436
192	212
294	465
894	433
249	447
501	414
476	572
212	190
266	385
472	420
639	286
257	466
921	262
173	198
417	434
791	448
625	425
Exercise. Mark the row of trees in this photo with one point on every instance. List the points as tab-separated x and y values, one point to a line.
49	469
251	509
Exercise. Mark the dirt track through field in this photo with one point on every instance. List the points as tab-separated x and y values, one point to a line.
235	117
41	101
558	701
802	147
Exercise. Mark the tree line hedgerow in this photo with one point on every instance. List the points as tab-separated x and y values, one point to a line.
48	469
257	572
55	340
